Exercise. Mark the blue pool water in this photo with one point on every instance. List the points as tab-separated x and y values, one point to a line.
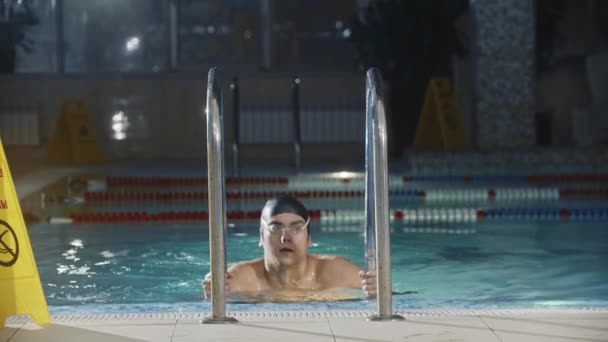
141	268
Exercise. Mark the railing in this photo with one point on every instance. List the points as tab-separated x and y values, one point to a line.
377	246
377	231
236	119
297	140
295	123
339	123
19	125
217	198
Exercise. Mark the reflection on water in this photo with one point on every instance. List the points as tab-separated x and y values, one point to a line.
297	296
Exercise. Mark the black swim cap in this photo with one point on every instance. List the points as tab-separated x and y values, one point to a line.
281	205
284	204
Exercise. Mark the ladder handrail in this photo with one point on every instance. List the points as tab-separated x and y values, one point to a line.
377	230
236	122
297	138
217	197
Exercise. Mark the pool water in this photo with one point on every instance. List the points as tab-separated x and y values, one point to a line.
103	268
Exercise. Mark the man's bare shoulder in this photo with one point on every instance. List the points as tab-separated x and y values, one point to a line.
247	276
333	261
337	272
246	267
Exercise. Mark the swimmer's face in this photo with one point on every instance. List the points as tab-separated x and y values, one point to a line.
285	238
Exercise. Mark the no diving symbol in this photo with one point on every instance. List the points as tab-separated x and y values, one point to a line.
8	255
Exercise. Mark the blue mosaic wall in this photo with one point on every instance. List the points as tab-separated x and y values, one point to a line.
504	73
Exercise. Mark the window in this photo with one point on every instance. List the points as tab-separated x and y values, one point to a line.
140	35
218	32
313	34
27	36
115	35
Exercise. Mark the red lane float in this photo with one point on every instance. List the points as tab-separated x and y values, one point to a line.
169	216
407	216
189	181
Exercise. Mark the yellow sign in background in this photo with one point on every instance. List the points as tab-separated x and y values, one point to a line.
20	287
439	125
74	138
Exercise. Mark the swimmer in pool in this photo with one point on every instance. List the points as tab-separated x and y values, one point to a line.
287	269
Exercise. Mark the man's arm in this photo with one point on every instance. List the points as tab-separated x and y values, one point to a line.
338	272
240	277
343	273
207	284
244	277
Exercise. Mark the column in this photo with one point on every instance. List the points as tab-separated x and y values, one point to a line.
504	79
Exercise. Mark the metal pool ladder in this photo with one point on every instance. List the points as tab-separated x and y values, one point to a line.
377	232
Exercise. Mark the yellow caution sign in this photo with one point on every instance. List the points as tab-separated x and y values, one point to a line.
439	125
20	288
74	138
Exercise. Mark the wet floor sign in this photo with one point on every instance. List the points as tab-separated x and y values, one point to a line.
74	138
20	288
439	125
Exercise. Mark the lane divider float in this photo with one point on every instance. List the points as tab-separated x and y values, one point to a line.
405	216
433	195
359	181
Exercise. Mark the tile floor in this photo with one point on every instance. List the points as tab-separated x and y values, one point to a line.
521	327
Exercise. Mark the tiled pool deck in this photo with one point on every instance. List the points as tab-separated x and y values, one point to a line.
520	326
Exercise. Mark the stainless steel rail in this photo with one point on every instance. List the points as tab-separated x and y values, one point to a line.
377	230
236	124
297	138
217	198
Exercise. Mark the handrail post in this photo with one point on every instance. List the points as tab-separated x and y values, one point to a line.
217	198
377	230
236	121
295	104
